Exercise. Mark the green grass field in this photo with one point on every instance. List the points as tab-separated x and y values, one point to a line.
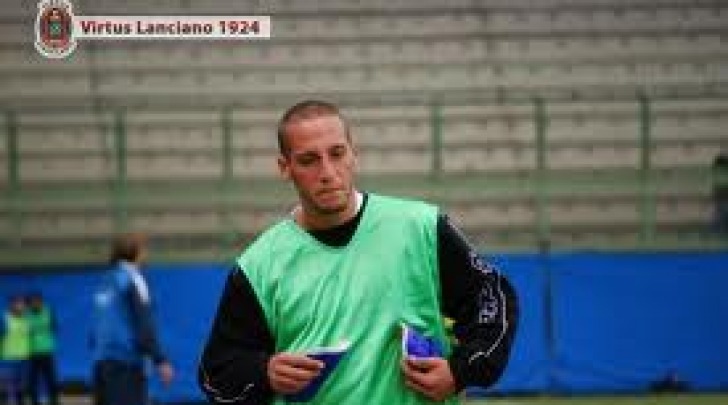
683	399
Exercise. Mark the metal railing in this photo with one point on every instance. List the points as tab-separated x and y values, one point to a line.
540	184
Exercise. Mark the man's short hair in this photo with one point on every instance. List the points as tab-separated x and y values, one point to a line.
127	247
304	110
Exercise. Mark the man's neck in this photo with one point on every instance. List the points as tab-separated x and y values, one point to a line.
341	235
313	221
130	266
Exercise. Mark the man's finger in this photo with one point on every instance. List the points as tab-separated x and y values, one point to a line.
287	385
423	363
416	376
417	388
301	361
295	373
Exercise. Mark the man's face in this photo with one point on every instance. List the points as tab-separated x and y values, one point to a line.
18	305
320	163
143	255
35	303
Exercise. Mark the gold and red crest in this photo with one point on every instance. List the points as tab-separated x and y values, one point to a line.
54	36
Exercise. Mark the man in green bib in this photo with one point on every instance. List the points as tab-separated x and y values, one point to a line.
15	348
349	266
42	348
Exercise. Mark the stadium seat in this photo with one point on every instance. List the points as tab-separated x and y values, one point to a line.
386	62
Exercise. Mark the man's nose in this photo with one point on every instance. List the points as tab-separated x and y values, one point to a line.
328	170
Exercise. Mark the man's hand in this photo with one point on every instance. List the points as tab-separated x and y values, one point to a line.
289	373
430	377
166	373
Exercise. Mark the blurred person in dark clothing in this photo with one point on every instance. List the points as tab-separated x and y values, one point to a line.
42	347
720	194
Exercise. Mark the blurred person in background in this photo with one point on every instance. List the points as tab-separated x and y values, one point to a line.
353	265
42	347
124	335
15	348
720	194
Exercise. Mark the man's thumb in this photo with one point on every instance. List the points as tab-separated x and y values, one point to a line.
423	363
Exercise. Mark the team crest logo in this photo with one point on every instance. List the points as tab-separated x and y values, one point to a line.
54	29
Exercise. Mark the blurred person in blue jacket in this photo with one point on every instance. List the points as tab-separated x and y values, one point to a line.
124	335
15	348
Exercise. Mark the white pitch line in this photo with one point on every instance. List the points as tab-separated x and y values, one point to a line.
493	402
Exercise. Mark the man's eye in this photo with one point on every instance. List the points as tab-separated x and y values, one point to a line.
306	161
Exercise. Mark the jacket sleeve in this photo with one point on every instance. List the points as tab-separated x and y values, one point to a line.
233	365
483	305
145	332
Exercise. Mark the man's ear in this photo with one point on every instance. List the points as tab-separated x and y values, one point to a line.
356	159
284	167
355	154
